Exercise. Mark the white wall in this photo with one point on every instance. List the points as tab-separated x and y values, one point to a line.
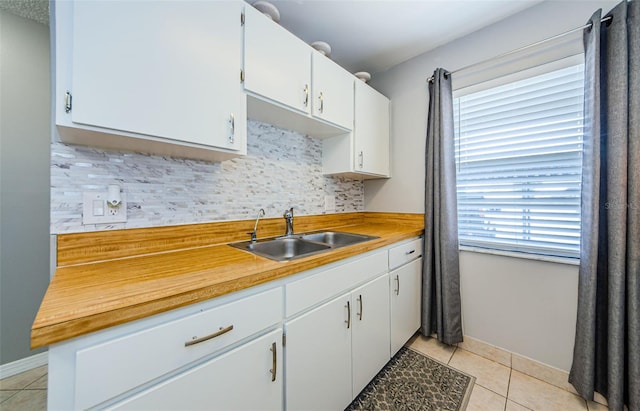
524	306
24	179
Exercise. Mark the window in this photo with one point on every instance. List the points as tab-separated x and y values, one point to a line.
519	159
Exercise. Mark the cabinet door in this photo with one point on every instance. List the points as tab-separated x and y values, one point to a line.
167	69
277	64
332	92
370	335
406	284
318	363
371	131
246	378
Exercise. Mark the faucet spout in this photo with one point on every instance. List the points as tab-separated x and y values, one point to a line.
254	233
288	217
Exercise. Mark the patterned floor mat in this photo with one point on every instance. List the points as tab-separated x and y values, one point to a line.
412	381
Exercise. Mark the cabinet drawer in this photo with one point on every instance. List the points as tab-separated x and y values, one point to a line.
240	379
111	368
404	253
309	291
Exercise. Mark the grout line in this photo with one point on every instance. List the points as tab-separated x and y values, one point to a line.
11	396
452	354
489	389
35	381
506	401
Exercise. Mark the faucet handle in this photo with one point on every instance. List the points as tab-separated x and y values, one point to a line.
254	233
288	213
288	217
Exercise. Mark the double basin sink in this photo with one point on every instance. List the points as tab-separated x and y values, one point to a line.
301	245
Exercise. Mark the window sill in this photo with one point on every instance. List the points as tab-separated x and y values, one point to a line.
537	257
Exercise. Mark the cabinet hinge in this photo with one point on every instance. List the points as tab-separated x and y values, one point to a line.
242	76
242	19
284	340
67	102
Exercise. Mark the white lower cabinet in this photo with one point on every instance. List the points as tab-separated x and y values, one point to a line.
210	355
334	350
246	378
370	332
341	325
318	358
405	292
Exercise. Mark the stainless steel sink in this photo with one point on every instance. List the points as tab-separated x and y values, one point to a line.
336	238
300	245
282	249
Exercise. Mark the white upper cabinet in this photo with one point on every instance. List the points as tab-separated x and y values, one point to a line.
160	76
364	153
277	63
180	78
332	91
371	131
290	84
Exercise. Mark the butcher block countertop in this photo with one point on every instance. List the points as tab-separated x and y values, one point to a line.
109	278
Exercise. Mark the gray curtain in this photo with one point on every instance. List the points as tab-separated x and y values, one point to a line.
606	356
441	312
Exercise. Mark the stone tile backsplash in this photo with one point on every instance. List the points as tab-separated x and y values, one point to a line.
282	169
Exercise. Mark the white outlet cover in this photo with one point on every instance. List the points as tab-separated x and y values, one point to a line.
110	215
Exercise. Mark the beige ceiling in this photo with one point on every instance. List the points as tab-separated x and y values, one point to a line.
365	35
374	35
37	10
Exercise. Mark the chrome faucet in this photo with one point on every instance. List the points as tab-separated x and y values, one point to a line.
254	234
288	216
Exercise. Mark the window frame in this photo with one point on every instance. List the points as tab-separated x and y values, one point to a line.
523	252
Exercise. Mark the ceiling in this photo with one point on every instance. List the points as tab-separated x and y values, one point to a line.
365	35
375	35
37	10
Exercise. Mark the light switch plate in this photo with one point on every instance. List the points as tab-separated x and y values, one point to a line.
95	209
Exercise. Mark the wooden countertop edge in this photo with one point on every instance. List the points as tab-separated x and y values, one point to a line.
46	332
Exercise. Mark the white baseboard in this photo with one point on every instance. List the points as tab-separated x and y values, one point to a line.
24	364
525	365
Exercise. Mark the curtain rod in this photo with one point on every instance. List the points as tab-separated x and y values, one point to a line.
557	36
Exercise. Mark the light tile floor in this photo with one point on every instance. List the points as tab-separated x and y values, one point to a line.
500	388
25	392
497	387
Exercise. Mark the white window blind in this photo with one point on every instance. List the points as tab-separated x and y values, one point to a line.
519	159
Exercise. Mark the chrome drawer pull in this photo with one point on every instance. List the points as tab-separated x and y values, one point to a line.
306	95
398	281
232	121
274	362
360	313
210	336
348	315
410	252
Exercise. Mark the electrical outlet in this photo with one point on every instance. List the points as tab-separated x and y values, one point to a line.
95	209
113	211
